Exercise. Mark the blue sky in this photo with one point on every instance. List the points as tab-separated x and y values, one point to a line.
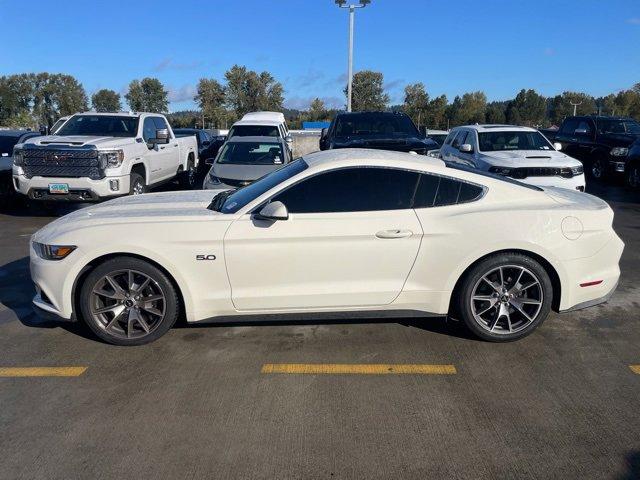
498	46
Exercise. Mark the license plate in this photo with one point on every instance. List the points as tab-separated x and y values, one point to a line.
58	188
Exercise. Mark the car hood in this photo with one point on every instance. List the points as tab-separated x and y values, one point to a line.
243	172
165	207
530	158
80	141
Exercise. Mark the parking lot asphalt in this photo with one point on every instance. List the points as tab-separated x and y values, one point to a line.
216	401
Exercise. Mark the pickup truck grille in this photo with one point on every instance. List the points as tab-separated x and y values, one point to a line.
524	172
62	163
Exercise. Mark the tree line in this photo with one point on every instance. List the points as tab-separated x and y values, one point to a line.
32	99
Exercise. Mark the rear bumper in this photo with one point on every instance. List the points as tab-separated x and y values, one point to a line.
579	290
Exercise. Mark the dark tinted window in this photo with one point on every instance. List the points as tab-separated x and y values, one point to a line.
462	134
618	126
352	190
254	131
468	192
148	129
514	140
447	194
426	191
100	125
569	126
6	144
374	124
160	123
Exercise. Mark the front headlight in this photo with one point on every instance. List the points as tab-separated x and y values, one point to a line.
52	252
18	157
110	158
213	178
577	170
619	151
501	170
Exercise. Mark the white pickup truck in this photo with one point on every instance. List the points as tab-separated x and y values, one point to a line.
96	156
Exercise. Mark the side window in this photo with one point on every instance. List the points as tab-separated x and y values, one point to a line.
435	191
450	137
471	139
459	140
161	123
148	129
352	190
584	128
569	126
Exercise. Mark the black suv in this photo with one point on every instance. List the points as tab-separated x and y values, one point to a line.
601	143
381	130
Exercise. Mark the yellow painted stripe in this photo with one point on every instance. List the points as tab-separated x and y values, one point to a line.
362	369
635	368
42	371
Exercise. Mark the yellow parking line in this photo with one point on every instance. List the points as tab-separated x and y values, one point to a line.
362	369
41	371
635	368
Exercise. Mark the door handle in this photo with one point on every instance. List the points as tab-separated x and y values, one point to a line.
396	233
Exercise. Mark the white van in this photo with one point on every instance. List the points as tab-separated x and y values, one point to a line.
262	124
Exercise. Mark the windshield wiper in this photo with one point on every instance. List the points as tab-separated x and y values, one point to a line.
218	200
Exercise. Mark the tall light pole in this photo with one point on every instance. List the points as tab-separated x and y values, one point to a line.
575	107
352	11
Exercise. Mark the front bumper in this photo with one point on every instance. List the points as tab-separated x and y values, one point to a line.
616	166
80	189
574	183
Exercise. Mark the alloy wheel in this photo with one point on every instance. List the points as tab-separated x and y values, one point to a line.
127	304
634	177
138	188
506	299
191	173
596	169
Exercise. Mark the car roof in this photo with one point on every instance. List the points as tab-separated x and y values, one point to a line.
269	123
369	112
118	114
355	156
437	132
256	139
497	128
268	116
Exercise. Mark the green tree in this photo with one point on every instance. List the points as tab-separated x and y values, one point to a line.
437	113
56	95
528	108
210	98
496	112
468	109
416	102
627	103
367	91
317	111
147	95
16	96
562	105
249	91
106	100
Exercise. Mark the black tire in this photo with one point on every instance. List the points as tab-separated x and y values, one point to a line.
122	330
633	176
512	264
188	177
137	185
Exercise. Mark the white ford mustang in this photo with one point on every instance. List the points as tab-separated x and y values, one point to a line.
336	231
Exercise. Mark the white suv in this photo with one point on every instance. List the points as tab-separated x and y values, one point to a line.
518	152
262	124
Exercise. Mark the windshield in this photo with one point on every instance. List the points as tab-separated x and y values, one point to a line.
619	126
375	125
254	131
518	140
250	153
57	125
233	200
6	144
100	125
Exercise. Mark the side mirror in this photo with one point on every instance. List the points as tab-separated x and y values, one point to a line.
466	148
209	161
557	146
44	130
288	139
162	135
273	211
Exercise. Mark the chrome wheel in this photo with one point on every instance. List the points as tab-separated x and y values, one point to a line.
138	188
127	304
191	175
506	299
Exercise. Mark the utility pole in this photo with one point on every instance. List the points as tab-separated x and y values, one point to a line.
575	107
352	11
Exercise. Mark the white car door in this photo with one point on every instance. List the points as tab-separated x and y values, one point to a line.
350	240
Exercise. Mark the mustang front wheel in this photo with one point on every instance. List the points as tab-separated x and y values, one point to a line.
127	301
505	297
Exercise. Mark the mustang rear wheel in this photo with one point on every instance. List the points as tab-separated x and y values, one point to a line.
505	297
127	301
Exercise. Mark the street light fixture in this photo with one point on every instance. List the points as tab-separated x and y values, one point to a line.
352	9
